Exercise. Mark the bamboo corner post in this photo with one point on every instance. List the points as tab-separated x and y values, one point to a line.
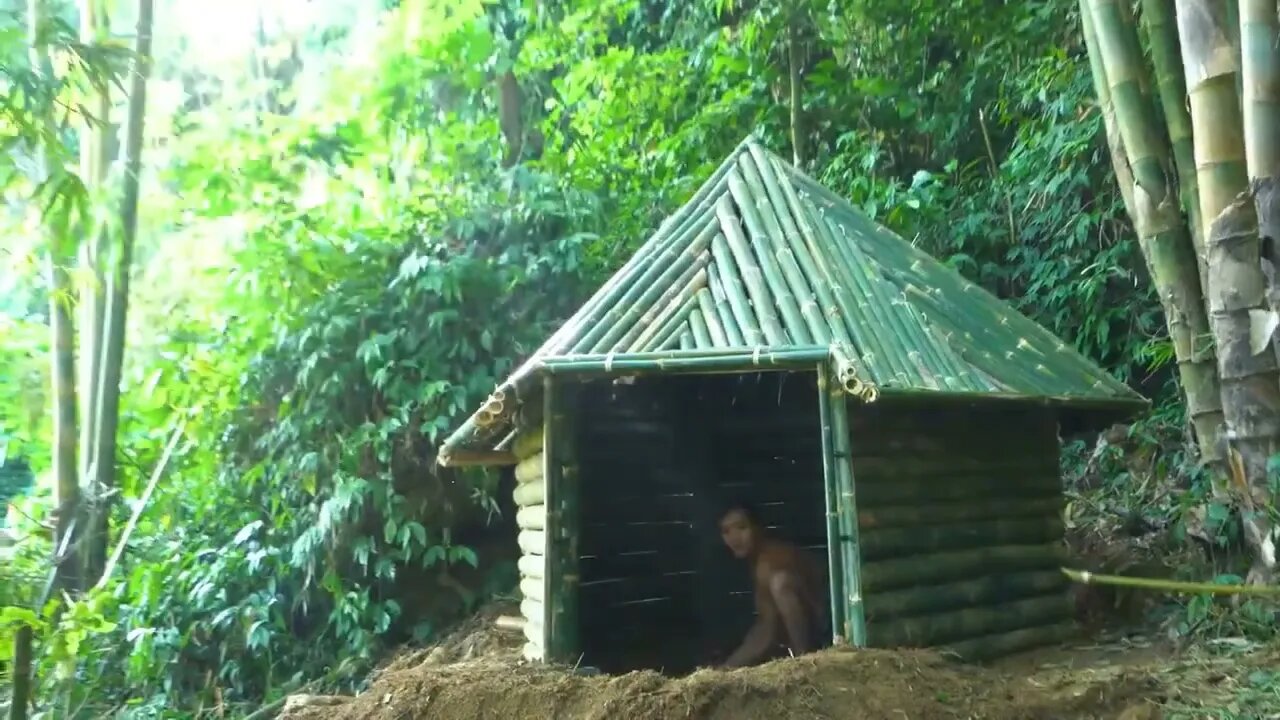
832	496
560	475
851	545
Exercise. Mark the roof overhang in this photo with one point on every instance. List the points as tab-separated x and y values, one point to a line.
484	437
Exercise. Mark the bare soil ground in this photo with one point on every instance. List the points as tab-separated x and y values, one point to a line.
476	674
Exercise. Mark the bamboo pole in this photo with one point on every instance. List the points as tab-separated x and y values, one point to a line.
1042	485
711	316
1170	586
966	623
810	322
831	485
851	545
724	313
915	515
985	590
528	443
532	566
532	517
1176	265
531	587
932	274
672	314
865	314
884	575
735	294
529	469
997	645
636	307
766	308
1162	32
1260	71
529	493
1236	286
699	328
880	544
682	361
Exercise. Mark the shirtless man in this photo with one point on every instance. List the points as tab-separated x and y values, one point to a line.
790	599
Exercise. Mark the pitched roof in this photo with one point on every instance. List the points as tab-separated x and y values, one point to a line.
765	259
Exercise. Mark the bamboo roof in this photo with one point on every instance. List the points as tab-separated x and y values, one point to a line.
763	262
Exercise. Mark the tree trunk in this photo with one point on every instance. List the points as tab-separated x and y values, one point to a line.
1112	39
1250	381
107	405
94	161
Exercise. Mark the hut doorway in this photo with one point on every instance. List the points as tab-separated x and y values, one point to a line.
659	460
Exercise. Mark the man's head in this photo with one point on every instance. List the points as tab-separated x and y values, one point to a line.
741	530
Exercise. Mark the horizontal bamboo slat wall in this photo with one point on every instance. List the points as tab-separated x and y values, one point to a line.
959	518
531	518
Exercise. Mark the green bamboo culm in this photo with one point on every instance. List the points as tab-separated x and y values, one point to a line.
1169	250
1170	586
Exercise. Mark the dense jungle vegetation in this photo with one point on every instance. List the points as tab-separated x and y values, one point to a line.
348	219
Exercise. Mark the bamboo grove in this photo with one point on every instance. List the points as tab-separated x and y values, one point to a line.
1193	125
74	232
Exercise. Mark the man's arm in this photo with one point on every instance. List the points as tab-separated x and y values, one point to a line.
784	588
755	644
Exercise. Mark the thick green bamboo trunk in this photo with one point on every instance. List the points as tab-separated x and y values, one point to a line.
94	161
1236	285
1122	85
1159	17
107	405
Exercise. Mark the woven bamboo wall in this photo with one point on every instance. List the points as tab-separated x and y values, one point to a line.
959	516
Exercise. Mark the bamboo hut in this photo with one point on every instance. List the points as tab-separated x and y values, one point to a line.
770	343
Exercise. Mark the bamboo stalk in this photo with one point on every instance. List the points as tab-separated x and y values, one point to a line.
811	322
724	313
711	320
960	487
531	587
480	458
532	517
902	330
1176	264
684	340
967	623
955	286
851	545
1169	586
866	313
636	307
881	544
916	515
766	309
529	469
831	485
679	361
763	247
735	293
674	312
1162	31
529	493
985	590
532	542
884	575
806	281
1260	71
509	622
1250	383
528	443
803	241
997	645
698	325
532	566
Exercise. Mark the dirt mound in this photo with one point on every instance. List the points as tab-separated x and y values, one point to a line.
477	637
834	684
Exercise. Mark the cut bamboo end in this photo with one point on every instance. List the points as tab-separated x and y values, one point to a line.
530	468
509	622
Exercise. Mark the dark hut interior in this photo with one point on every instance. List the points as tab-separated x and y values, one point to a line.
660	459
